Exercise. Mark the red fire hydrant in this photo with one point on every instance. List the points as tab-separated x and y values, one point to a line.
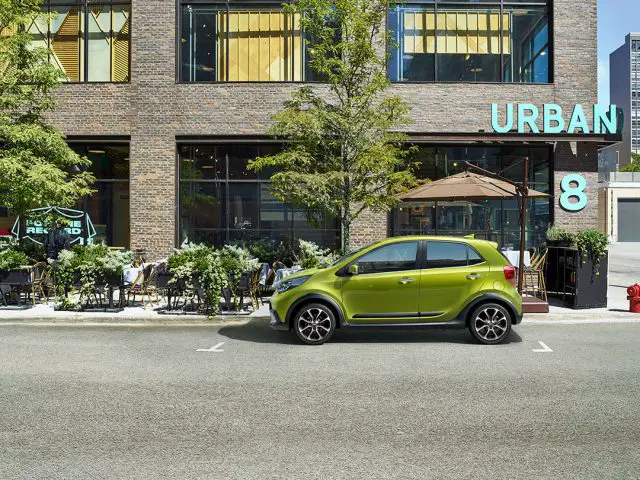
633	295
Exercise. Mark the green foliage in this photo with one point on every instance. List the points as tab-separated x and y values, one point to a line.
11	259
312	255
593	244
236	259
199	268
557	234
35	160
342	152
271	250
92	265
634	166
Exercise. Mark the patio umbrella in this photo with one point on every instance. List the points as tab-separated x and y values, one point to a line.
467	186
479	186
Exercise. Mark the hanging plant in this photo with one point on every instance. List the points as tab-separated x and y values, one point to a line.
592	244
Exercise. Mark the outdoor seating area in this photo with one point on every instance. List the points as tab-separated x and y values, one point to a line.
195	279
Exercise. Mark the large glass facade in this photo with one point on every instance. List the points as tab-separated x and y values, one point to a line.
108	206
221	201
223	42
89	41
496	220
465	41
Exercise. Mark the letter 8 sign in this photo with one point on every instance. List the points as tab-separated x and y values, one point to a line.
575	192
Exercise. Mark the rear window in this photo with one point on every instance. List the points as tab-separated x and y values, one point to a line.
451	254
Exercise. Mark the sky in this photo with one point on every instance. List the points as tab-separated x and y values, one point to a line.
616	18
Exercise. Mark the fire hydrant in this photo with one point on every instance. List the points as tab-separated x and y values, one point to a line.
633	295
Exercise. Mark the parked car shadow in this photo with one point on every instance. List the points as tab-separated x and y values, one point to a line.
258	331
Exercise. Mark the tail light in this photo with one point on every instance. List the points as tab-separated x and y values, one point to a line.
510	274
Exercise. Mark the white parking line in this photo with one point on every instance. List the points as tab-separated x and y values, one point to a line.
544	348
215	348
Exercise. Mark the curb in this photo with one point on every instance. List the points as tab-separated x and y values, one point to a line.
222	320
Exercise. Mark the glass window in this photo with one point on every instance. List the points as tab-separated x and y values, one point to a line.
241	44
469	43
446	254
473	257
108	206
389	258
221	201
495	220
88	41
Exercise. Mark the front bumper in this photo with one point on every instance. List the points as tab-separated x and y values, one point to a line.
275	322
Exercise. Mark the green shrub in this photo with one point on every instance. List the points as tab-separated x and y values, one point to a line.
199	267
11	259
557	234
95	264
592	244
271	250
312	255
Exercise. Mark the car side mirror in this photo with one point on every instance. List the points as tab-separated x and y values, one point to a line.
352	269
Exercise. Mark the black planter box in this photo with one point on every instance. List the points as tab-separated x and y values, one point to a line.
570	275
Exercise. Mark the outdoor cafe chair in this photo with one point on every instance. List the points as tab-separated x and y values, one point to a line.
534	283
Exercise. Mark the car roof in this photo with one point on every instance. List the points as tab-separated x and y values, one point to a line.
450	238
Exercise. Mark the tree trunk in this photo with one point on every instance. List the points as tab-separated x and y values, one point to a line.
346	227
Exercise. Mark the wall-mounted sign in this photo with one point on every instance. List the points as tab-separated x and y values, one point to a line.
606	119
570	191
78	225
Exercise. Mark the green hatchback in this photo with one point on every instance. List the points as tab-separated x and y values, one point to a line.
406	282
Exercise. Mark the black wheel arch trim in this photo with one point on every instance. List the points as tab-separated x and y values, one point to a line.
490	297
315	296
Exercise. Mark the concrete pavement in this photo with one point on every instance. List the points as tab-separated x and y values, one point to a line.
118	402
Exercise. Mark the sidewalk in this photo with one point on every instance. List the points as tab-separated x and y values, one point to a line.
140	316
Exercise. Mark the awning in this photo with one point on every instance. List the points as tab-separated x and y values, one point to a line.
603	140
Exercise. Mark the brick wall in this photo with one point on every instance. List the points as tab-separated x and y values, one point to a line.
154	108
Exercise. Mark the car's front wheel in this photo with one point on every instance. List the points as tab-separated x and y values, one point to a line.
490	323
314	323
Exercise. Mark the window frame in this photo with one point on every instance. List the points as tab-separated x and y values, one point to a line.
425	265
83	53
549	4
226	182
239	5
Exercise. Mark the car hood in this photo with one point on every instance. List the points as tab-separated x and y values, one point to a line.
303	273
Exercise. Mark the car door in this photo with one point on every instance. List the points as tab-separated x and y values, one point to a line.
385	289
452	272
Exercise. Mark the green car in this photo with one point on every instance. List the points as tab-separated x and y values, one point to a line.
403	281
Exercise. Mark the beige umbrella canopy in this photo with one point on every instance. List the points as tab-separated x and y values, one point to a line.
464	186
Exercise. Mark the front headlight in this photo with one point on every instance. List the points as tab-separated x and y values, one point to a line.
289	283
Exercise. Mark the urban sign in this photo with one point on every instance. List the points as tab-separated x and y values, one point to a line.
605	119
78	225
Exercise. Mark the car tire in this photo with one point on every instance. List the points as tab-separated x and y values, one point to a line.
314	323
490	323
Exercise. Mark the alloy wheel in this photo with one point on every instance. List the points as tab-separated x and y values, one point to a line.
314	324
491	324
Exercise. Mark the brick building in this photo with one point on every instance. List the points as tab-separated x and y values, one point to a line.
170	98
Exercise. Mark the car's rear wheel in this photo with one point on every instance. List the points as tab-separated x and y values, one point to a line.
490	323
314	324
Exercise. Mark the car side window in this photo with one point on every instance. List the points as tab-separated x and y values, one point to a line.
474	257
451	254
395	257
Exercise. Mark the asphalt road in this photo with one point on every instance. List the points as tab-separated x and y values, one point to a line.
115	402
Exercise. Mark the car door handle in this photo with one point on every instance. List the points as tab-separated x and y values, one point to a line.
473	276
404	281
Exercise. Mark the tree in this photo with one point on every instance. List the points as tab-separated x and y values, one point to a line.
37	167
634	166
342	153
